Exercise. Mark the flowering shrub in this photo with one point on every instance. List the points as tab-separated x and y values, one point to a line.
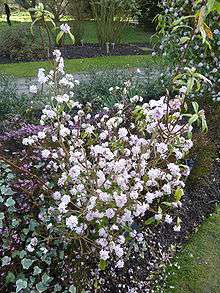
92	183
190	35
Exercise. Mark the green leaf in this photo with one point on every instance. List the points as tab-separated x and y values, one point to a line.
46	279
72	37
20	284
195	106
216	8
190	84
102	264
72	289
150	221
59	37
193	119
179	20
204	125
10	278
10	202
183	40
168	204
37	271
2	216
190	135
27	263
41	287
178	194
210	5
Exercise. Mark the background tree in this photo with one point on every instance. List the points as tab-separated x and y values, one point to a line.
8	13
112	16
148	11
27	4
79	10
57	8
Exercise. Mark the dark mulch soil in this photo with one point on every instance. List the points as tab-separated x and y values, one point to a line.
76	52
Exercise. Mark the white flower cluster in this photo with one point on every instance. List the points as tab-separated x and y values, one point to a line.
112	169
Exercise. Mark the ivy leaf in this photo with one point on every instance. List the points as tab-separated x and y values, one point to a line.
6	190
15	223
37	271
10	202
23	253
46	279
33	224
20	284
72	289
10	278
6	260
41	287
27	263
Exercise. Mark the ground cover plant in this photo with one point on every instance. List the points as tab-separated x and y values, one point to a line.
89	197
94	87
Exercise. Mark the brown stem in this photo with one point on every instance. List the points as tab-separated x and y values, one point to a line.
21	170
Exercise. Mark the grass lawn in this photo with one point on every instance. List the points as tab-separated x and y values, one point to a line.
132	34
199	261
30	69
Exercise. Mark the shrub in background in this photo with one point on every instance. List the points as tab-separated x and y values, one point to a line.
27	4
57	8
98	86
190	32
15	39
23	106
111	17
77	10
149	9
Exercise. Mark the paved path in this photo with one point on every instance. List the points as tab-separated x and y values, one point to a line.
23	84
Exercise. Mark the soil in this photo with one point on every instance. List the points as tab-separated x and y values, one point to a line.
77	52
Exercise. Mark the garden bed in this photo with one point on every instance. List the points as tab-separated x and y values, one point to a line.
144	272
78	52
